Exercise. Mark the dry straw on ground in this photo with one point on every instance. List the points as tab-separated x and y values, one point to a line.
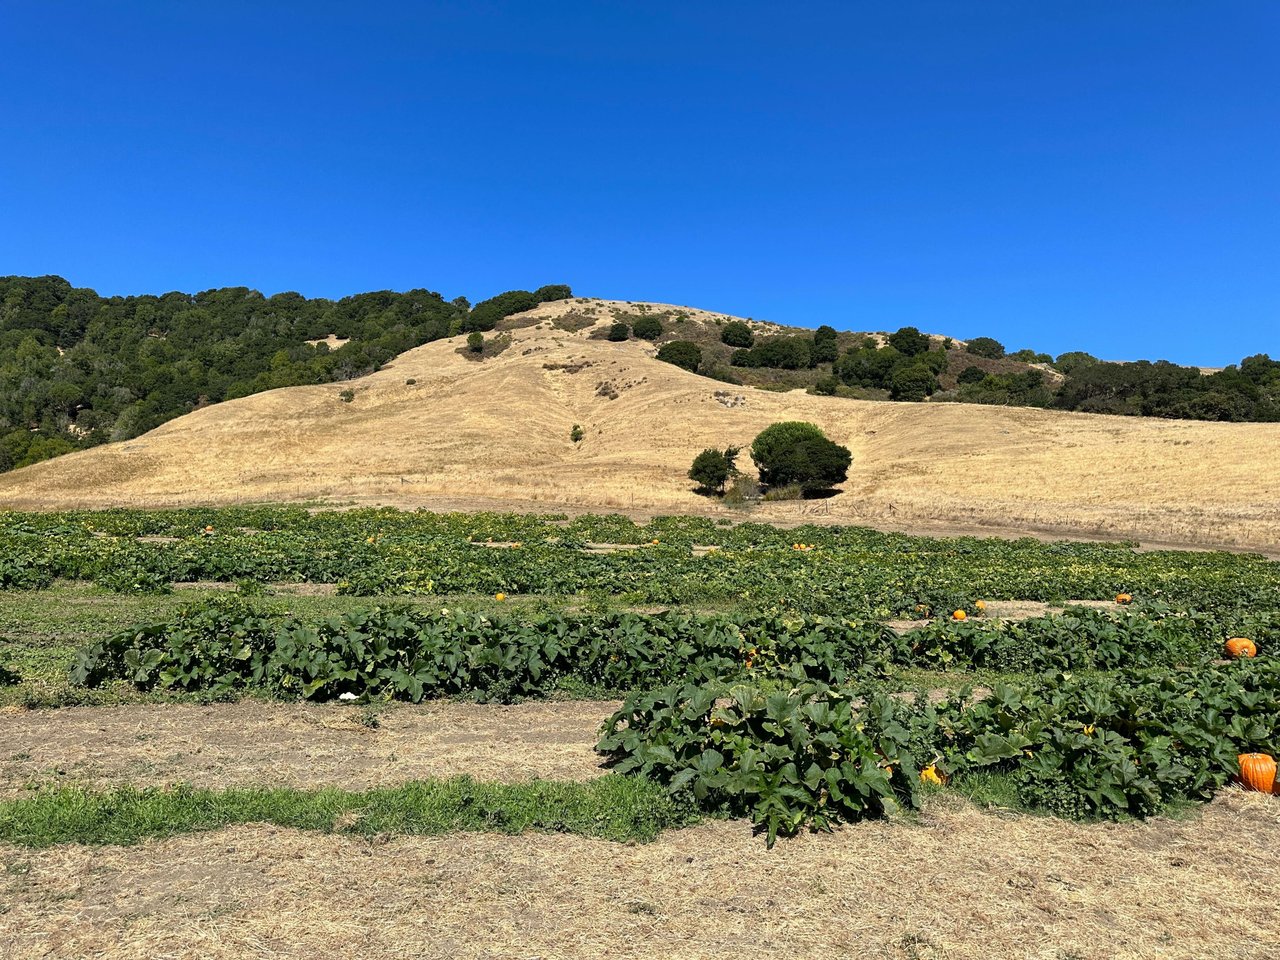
496	434
959	884
297	745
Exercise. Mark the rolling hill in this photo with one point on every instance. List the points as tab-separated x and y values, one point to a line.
446	428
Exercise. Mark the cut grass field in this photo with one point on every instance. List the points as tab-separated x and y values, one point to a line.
957	882
433	423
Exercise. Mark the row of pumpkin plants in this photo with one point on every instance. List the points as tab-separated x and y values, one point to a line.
845	571
388	653
791	722
1106	746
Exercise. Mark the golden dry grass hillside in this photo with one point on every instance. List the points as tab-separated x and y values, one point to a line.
438	429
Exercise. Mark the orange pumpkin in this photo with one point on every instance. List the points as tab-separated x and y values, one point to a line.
1258	772
1241	647
959	615
1124	598
499	596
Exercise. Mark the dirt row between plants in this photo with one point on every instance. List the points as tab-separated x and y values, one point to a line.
297	745
957	884
256	743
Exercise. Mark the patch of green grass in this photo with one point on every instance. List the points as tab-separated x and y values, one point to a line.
611	808
988	789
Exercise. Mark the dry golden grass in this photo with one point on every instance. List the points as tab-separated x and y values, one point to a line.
496	433
959	884
296	745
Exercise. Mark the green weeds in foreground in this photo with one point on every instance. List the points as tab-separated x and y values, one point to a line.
610	808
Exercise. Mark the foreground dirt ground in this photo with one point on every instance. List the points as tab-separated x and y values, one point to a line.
959	884
955	883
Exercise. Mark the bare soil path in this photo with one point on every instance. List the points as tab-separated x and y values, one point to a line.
959	883
297	745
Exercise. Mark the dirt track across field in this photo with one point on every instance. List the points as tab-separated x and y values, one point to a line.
959	884
297	745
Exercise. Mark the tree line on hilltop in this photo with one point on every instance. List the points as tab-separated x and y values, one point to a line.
910	365
78	369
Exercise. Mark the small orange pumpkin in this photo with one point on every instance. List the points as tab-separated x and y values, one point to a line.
1258	772
1241	647
959	615
499	596
1124	598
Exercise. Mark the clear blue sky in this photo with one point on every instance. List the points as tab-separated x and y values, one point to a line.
1080	174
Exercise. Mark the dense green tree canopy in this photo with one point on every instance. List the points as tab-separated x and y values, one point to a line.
782	353
486	314
682	353
647	328
825	346
711	469
909	341
796	452
987	347
912	382
737	334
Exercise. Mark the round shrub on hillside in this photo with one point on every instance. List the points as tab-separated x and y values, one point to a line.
912	383
971	375
647	328
1074	361
682	353
619	332
909	341
987	347
737	334
800	453
553	291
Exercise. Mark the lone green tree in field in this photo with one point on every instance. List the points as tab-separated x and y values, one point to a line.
800	453
712	469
